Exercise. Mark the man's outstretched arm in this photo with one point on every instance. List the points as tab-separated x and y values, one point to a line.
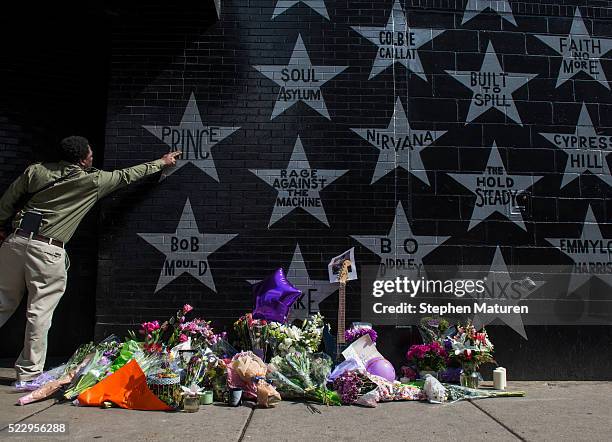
110	181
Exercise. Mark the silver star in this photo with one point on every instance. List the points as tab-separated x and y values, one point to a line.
317	5
192	138
492	88
314	292
584	150
502	290
300	81
400	245
580	52
475	7
495	190
399	145
298	185
590	248
186	250
397	42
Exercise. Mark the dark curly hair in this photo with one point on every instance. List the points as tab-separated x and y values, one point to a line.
74	148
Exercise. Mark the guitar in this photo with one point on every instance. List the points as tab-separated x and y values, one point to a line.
334	347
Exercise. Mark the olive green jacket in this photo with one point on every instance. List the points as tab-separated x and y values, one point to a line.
65	204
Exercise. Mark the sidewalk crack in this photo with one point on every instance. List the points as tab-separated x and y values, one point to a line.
246	424
510	430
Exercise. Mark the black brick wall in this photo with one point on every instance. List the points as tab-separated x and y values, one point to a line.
155	70
54	70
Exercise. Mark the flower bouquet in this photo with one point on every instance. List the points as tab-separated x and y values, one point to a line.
471	349
456	393
98	368
247	371
252	334
434	329
427	357
285	339
354	333
302	375
352	384
76	363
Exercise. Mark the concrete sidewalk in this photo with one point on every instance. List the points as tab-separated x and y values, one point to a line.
551	411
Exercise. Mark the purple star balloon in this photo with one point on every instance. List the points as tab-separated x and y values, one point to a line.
274	296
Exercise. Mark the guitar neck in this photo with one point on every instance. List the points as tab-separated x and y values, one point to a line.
341	313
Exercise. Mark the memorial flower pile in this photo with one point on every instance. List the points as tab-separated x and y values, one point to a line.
155	367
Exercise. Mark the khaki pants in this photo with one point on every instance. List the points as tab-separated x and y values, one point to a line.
40	269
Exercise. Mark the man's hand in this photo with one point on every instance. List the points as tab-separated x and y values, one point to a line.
170	158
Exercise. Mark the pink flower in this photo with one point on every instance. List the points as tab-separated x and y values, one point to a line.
183	338
148	327
182	319
187	308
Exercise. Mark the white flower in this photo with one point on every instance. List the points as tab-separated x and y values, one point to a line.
192	390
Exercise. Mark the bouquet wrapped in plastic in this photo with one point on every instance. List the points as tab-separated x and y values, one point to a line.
126	388
300	375
456	393
248	371
51	383
363	388
52	387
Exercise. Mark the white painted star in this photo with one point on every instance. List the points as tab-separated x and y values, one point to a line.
475	7
300	81
590	248
400	244
298	185
495	190
314	292
192	138
397	42
501	289
399	145
580	52
317	5
494	84
584	149
186	250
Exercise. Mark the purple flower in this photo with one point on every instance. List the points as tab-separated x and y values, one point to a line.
450	375
352	334
448	344
348	386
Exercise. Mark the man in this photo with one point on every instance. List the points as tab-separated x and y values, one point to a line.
33	257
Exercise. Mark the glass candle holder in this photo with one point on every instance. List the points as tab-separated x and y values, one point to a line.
191	404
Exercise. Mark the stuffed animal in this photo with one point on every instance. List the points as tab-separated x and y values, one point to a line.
435	391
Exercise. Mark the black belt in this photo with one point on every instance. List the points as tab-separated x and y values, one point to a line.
42	238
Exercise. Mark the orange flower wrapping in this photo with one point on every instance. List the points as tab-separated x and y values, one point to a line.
126	388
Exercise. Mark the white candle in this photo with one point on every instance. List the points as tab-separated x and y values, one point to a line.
499	378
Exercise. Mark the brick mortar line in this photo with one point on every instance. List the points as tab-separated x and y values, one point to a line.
507	428
27	417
